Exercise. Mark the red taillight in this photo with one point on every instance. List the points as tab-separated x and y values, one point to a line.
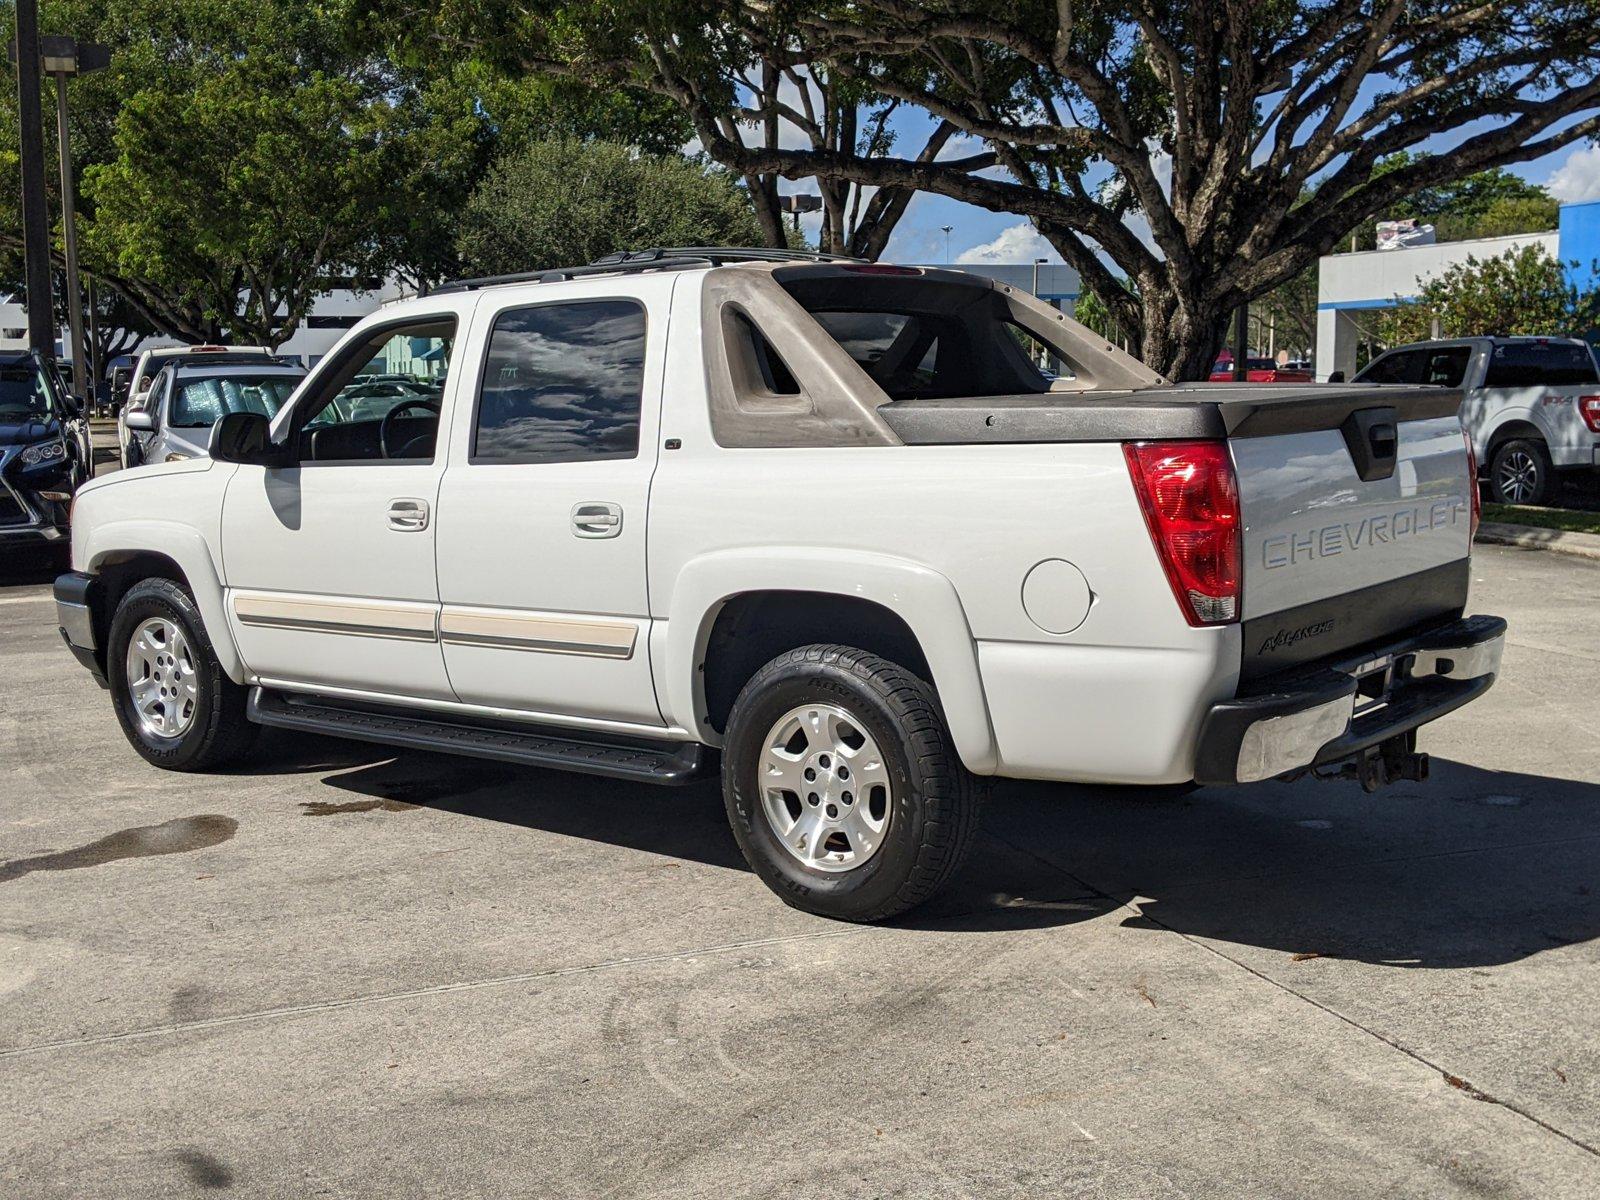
1473	490
1191	504
1589	406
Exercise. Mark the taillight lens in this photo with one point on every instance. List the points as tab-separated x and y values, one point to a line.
1474	492
1589	406
1191	504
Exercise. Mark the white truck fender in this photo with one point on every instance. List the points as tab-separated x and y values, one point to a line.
923	598
113	541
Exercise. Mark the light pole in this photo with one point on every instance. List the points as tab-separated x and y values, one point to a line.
65	56
947	229
796	203
30	144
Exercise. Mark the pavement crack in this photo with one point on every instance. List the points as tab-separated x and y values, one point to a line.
467	985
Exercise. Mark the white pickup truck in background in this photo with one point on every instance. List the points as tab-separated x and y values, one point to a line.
823	523
1531	407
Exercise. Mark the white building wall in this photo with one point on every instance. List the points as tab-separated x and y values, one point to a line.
1351	284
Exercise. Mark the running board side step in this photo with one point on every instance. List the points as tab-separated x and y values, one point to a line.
663	762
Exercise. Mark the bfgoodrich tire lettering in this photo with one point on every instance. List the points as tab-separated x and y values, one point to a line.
213	729
935	801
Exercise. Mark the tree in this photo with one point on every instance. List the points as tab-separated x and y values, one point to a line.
1249	103
1521	291
564	201
241	157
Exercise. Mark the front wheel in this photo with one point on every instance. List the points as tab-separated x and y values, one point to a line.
1520	472
842	786
176	705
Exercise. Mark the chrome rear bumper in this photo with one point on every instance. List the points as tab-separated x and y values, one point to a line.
1330	713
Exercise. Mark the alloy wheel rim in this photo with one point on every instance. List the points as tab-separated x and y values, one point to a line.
162	680
825	789
1518	475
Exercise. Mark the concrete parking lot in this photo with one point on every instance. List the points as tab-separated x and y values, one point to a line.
342	972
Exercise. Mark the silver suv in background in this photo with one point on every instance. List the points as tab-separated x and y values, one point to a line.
189	397
1531	405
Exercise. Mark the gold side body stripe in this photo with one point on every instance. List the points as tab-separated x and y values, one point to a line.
357	618
493	627
551	635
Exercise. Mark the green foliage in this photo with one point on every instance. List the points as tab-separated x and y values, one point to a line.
1091	312
563	201
1490	203
241	157
1520	292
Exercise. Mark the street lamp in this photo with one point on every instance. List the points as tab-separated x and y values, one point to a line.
947	229
796	203
63	57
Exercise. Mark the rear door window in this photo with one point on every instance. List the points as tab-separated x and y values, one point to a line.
562	383
1447	367
1539	364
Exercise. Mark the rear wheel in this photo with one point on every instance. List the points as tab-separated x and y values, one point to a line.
176	705
1520	472
842	787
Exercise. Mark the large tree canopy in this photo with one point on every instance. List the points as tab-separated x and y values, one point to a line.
1208	120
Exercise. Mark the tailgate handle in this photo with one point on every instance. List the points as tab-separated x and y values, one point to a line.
1372	436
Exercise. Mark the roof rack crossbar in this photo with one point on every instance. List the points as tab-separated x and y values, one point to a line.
667	258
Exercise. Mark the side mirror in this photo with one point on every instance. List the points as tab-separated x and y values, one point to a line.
1335	376
244	437
141	420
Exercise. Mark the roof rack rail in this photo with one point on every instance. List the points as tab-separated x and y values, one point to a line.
670	258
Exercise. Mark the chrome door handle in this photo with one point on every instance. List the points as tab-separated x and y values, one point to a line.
408	515
596	519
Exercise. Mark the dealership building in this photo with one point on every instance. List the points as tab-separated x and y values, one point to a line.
1352	287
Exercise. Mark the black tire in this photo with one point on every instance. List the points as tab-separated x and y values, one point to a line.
1520	473
934	801
218	732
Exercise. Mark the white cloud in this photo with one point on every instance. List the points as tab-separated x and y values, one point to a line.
1019	243
1578	179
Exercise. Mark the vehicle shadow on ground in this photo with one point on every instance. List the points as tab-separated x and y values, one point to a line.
1473	868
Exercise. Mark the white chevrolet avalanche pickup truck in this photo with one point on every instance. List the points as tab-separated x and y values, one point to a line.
863	536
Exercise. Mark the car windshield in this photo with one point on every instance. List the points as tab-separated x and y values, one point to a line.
23	394
199	403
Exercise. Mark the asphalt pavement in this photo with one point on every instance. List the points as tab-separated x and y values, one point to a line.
339	971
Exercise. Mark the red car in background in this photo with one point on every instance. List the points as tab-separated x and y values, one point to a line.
1260	370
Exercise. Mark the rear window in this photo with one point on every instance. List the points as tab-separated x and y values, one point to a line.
1539	364
922	339
198	403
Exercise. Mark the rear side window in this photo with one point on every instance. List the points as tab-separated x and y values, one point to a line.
1539	364
562	383
1447	367
1403	366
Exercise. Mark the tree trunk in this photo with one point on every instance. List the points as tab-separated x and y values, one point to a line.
1180	336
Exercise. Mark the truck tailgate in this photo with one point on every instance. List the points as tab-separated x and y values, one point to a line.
1351	533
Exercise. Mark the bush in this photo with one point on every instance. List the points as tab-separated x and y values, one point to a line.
564	202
